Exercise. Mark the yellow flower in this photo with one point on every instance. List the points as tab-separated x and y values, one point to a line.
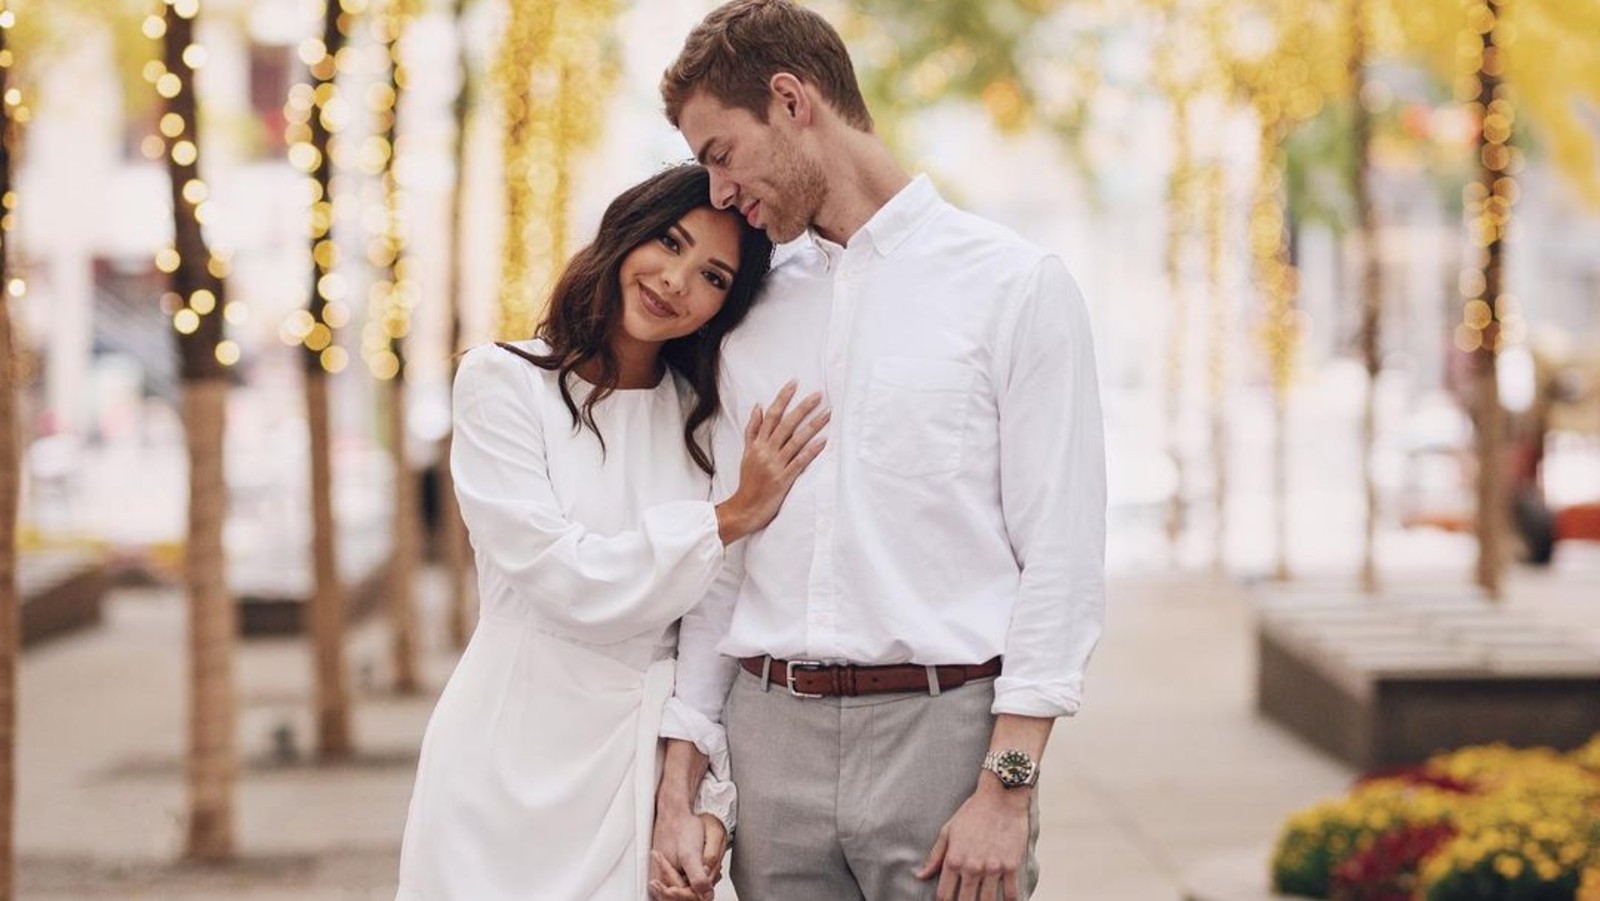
1589	885
1588	755
1508	866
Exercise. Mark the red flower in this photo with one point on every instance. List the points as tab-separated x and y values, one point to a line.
1417	775
1386	869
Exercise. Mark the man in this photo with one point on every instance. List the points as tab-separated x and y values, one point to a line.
900	640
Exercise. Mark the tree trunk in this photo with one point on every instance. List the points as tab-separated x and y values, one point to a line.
452	530
10	463
1179	190
328	594
212	627
1489	212
1371	289
402	570
394	295
1217	341
201	355
1276	277
457	558
327	611
1280	485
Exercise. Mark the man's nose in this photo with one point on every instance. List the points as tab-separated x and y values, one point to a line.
723	191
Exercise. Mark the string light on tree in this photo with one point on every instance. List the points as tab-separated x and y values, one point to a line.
197	293
392	295
316	113
551	72
1279	329
1488	316
16	114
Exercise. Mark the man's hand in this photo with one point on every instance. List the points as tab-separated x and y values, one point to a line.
682	864
980	852
686	856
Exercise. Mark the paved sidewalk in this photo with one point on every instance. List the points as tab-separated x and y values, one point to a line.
1167	767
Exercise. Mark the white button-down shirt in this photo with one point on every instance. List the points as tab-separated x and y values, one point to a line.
958	512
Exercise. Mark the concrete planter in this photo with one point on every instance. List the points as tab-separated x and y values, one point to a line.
61	592
1380	683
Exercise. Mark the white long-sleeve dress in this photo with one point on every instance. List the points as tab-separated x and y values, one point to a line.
539	765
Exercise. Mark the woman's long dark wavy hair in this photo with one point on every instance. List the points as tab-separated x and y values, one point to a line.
586	305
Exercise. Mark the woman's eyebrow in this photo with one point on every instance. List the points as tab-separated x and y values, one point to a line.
688	238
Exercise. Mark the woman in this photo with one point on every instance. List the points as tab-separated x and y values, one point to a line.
582	470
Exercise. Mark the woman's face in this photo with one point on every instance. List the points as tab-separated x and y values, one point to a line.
677	282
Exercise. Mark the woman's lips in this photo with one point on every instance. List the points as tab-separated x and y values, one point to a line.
655	305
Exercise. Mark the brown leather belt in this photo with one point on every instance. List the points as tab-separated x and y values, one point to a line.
814	679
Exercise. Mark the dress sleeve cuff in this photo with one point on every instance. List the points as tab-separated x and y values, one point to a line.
717	795
681	721
691	524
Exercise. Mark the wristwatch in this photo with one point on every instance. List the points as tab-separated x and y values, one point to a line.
1014	768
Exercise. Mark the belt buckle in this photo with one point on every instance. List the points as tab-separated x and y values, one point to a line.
789	674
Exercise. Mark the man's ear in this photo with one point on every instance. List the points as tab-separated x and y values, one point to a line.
791	99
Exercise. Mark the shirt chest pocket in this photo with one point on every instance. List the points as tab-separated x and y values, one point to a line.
916	415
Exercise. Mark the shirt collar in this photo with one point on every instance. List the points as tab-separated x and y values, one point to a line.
887	229
905	212
781	253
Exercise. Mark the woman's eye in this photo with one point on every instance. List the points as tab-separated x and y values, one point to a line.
670	243
716	280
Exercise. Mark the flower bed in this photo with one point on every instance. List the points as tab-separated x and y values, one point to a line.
1488	823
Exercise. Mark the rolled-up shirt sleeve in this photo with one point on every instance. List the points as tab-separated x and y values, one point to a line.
1053	494
694	712
592	587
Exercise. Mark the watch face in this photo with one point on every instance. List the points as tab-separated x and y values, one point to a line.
1014	768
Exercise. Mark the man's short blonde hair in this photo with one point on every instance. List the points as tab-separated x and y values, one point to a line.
734	52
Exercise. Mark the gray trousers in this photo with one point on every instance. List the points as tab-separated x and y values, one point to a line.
840	799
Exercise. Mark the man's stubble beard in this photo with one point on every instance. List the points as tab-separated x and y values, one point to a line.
802	188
